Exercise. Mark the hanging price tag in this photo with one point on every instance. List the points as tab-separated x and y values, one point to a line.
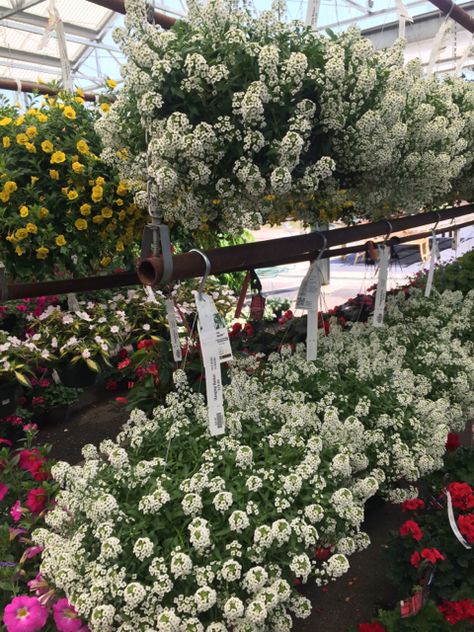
73	303
308	299
221	332
210	350
434	258
381	292
174	334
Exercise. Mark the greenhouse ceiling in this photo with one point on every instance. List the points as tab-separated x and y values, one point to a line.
30	34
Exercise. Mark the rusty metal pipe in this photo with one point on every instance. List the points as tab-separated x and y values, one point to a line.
30	86
165	21
457	13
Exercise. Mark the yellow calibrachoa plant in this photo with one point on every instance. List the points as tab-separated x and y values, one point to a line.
61	208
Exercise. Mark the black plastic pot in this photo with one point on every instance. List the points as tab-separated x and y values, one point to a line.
77	375
8	395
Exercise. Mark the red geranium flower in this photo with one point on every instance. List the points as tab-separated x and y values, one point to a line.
111	385
322	553
413	505
461	495
124	364
466	527
36	499
410	527
415	559
452	442
145	344
432	555
455	611
371	627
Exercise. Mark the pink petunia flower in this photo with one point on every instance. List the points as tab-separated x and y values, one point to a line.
36	499
66	617
15	511
32	551
25	614
3	491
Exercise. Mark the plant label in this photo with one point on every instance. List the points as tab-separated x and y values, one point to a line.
174	334
381	292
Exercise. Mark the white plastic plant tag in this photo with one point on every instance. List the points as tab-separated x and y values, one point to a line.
381	292
55	376
453	524
149	292
312	335
73	303
434	258
4	402
174	334
210	351
222	334
455	240
310	288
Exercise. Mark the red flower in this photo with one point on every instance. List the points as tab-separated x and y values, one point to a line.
145	344
124	364
6	441
36	499
123	353
38	401
121	400
432	555
413	505
288	314
130	385
322	553
249	330
461	495
466	527
152	369
410	527
452	442
235	329
455	611
415	559
111	385
371	627
29	459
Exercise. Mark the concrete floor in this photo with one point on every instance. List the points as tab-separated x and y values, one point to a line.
346	279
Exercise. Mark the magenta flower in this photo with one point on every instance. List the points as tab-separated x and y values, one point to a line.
32	551
15	511
66	617
25	614
38	585
3	491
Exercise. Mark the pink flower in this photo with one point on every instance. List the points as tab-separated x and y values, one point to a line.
28	427
15	511
3	490
32	551
36	500
25	614
38	585
65	616
6	441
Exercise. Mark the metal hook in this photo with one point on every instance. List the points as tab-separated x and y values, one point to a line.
390	230
206	273
325	243
437	221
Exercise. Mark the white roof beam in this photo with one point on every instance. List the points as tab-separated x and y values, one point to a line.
41	22
27	56
19	6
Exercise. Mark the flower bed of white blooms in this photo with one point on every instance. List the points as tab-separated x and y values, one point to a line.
172	530
232	113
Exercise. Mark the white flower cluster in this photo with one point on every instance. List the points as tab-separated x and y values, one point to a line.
210	534
285	119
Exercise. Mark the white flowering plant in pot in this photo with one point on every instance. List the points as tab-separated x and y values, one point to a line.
170	529
241	118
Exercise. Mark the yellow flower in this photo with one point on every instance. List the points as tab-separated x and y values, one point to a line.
60	240
32	228
42	252
47	146
100	181
64	190
80	92
83	147
31	131
119	202
58	157
106	212
24	211
111	84
216	202
53	174
105	107
119	247
19	251
6	120
85	209
21	233
21	139
31	148
122	215
97	193
122	189
20	120
122	153
73	195
77	167
10	186
4	196
79	100
6	142
69	112
43	212
80	224
105	261
34	179
11	238
97	219
42	118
